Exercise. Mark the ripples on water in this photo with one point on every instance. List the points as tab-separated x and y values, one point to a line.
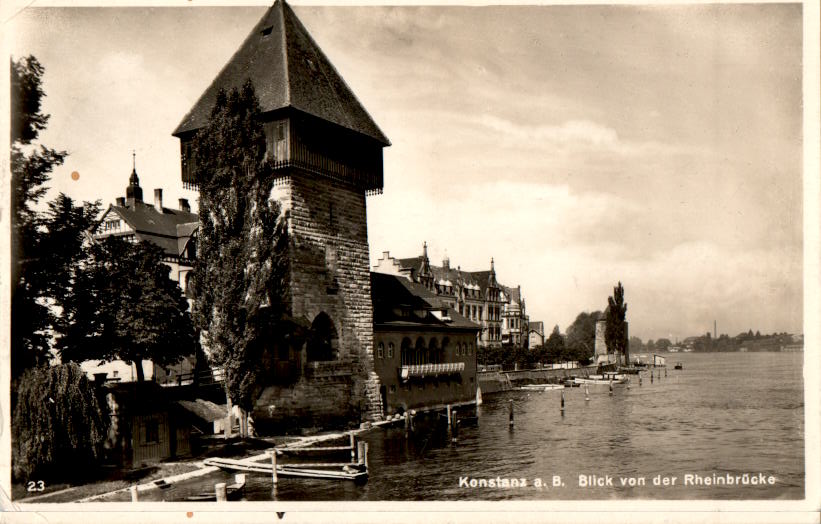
724	413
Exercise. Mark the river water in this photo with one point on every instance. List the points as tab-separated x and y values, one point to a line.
724	414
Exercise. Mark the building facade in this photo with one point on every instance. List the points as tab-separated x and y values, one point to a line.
536	335
476	295
425	350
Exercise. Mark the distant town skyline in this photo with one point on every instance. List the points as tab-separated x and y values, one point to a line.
578	146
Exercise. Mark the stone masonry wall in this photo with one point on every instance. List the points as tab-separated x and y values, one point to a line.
330	273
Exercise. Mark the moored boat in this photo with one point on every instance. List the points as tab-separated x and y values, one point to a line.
232	491
603	379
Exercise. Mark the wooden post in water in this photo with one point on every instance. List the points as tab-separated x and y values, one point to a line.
360	451
562	402
511	412
651	376
274	479
454	433
611	387
586	392
353	449
639	379
449	414
221	493
665	372
134	496
628	382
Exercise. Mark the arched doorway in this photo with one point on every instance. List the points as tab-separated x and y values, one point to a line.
323	341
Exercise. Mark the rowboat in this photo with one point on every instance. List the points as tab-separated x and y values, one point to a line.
602	379
232	491
542	387
337	471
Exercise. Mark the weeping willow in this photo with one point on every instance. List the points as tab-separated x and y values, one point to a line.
58	425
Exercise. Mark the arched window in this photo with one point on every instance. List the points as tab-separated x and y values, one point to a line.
390	349
406	352
433	352
442	355
323	342
380	350
458	349
419	354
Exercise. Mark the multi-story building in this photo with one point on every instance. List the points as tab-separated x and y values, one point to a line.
514	318
475	294
173	230
425	351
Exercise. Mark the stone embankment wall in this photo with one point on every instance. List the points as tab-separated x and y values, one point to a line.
498	381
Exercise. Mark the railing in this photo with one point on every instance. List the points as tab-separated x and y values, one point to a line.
431	370
206	377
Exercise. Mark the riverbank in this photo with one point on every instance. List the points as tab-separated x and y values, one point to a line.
500	381
124	494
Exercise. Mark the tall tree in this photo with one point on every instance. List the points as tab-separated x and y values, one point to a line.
615	333
581	336
125	307
554	346
240	277
30	170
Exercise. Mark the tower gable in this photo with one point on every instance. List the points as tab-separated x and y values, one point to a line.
288	69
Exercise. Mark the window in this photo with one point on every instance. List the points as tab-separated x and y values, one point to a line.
393	388
390	351
458	349
152	431
480	312
380	350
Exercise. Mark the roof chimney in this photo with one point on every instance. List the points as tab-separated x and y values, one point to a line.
121	201
158	200
184	205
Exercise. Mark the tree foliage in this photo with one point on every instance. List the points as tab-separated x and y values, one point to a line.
125	307
240	277
554	347
30	170
615	334
59	424
581	336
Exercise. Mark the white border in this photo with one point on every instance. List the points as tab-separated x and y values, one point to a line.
611	511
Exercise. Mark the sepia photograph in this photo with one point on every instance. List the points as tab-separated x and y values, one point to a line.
351	254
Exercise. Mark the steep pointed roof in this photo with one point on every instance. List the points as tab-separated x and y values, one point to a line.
287	69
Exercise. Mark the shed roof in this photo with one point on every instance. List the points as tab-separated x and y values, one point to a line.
288	70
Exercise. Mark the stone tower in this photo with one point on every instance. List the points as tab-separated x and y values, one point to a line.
328	155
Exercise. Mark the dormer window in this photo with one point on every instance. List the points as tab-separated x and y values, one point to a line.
267	31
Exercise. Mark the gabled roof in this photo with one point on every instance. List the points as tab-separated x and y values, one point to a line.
169	230
391	292
287	69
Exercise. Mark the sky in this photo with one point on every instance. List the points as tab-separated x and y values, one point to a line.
578	146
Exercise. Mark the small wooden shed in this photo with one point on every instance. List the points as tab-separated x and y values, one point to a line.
146	425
